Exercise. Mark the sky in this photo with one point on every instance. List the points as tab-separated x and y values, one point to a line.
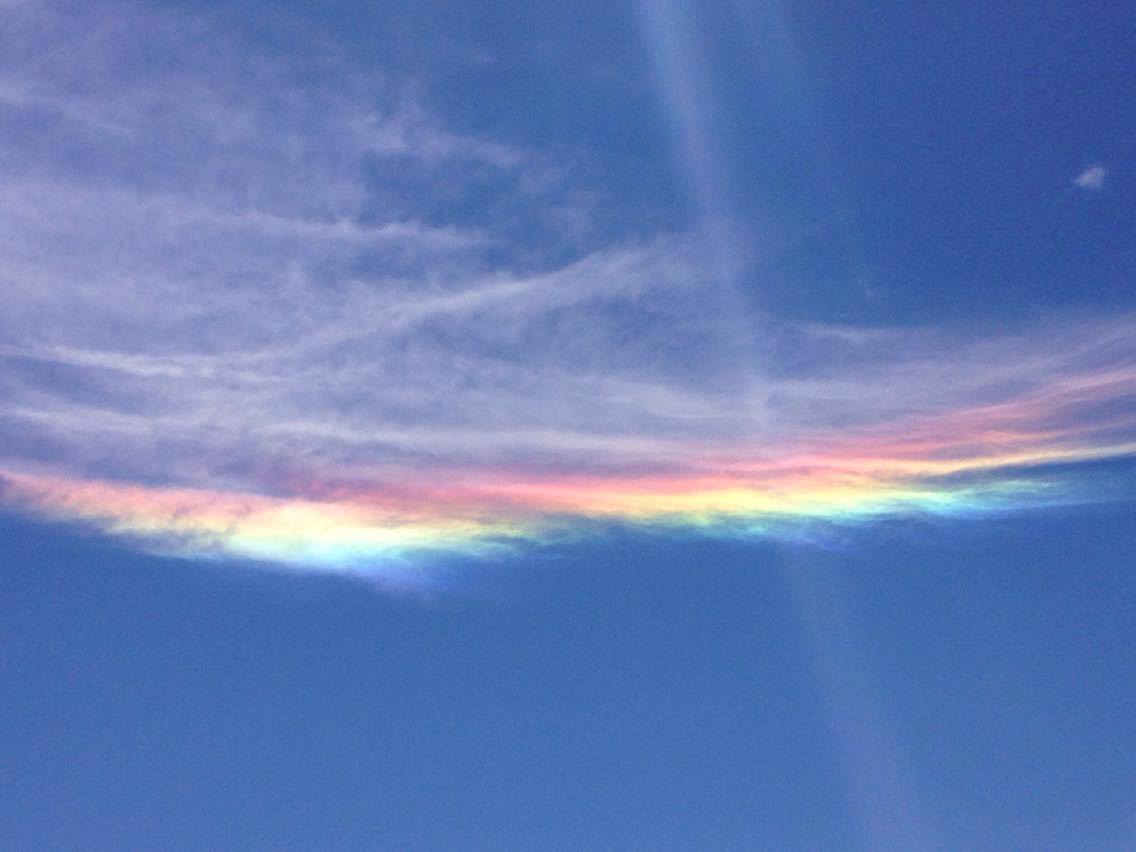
636	425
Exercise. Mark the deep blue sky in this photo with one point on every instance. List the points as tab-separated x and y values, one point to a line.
926	153
630	694
912	682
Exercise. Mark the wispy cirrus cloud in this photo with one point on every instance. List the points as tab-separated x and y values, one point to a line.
276	308
1091	178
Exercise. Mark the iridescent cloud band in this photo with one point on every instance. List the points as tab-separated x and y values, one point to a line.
377	528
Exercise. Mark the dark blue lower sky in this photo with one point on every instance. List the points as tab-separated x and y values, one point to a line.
966	685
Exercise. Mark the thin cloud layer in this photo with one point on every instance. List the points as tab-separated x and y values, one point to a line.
283	312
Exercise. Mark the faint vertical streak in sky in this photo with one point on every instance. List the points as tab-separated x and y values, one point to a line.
879	779
685	94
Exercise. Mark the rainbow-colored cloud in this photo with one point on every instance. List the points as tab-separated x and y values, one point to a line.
961	463
221	334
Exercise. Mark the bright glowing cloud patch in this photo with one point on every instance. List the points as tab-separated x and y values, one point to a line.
1091	178
242	313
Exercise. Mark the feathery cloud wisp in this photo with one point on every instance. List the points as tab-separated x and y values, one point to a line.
245	311
1091	178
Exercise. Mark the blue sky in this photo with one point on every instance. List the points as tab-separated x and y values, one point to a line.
545	426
